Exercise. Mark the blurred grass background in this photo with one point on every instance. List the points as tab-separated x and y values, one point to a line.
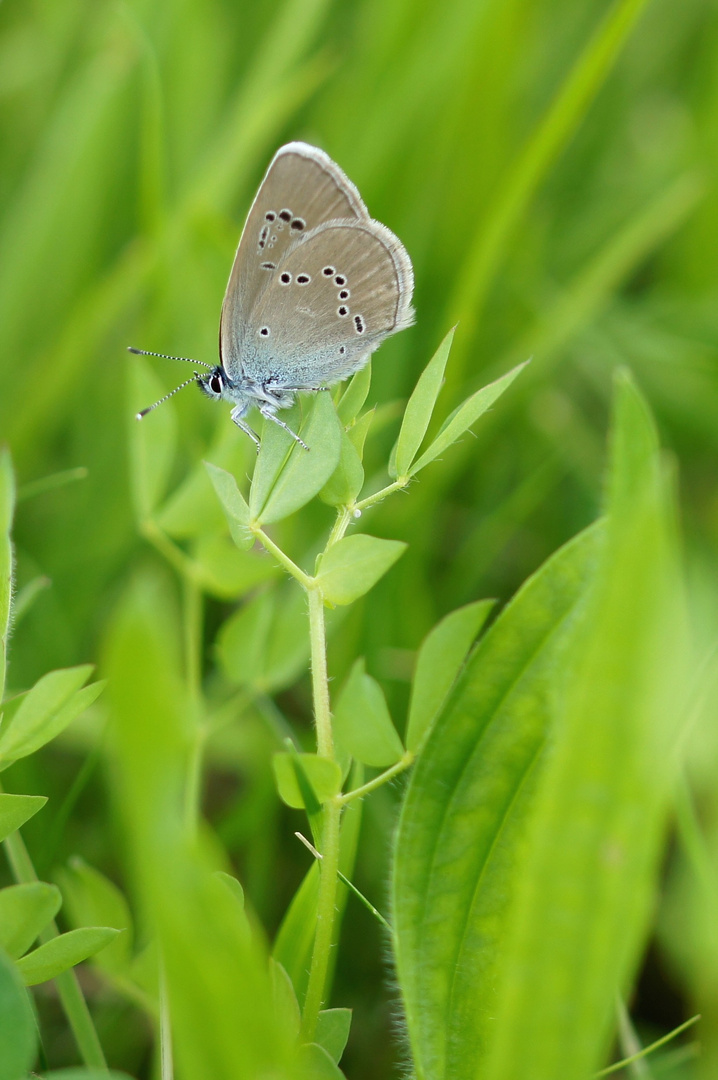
557	202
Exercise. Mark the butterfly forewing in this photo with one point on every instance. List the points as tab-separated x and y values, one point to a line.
302	188
337	293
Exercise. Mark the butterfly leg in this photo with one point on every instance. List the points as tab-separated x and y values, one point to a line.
268	414
236	415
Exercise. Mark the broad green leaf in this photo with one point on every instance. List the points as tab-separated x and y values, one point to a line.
46	710
316	1064
362	722
18	1036
152	440
350	568
285	1000
585	889
7	503
353	398
347	480
265	644
228	572
25	911
441	655
463	417
63	952
324	777
419	409
93	900
234	504
464	817
333	1031
286	475
15	810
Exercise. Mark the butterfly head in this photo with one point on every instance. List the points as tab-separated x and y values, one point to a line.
214	384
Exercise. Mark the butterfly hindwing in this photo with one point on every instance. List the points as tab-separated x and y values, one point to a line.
337	293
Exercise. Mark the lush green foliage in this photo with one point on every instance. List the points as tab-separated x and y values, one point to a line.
550	169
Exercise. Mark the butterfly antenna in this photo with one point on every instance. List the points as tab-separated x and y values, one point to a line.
171	393
166	356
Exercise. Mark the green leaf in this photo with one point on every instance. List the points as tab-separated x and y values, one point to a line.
286	1005
152	440
350	568
353	398
463	417
333	1031
585	890
234	504
227	572
441	655
286	475
265	644
63	952
235	887
347	480
316	1064
15	810
464	817
323	775
420	408
93	900
25	911
18	1036
54	702
362	723
7	504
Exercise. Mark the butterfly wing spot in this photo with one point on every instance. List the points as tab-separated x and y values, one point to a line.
303	279
342	311
329	271
264	331
342	350
344	294
263	235
298	224
285	278
340	280
285	215
359	324
270	215
269	266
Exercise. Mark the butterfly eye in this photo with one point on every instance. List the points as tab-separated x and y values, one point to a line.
215	384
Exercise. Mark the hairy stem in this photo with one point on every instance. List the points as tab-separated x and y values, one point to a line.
371	785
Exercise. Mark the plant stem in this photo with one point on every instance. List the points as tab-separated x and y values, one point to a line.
326	906
304	580
371	785
342	523
329	865
399	484
68	987
166	1061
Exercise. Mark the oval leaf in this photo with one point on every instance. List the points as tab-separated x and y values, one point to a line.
440	657
25	911
350	568
54	701
63	952
323	776
93	900
332	1032
17	1025
288	476
234	504
419	409
362	723
15	810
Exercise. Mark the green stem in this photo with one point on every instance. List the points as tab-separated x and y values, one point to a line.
329	865
185	567
304	580
342	523
68	987
326	907
371	785
320	681
399	484
166	1061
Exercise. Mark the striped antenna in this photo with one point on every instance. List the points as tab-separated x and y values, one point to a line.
165	356
171	393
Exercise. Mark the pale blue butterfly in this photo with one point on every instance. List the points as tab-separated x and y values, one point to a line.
315	288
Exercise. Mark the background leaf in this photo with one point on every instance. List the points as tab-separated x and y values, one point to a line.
362	722
354	564
17	1027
